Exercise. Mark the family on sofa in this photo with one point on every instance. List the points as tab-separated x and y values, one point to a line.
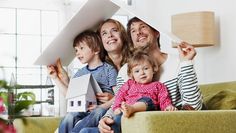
176	72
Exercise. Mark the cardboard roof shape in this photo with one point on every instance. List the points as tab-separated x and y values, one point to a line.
80	85
91	13
88	17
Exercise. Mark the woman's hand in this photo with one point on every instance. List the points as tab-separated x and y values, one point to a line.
52	71
186	51
59	75
61	72
104	97
58	72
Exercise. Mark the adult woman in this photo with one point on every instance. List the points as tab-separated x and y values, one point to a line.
115	42
116	45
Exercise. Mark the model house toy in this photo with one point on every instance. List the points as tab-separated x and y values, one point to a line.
81	93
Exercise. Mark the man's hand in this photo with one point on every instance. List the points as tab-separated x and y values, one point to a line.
170	108
104	125
104	97
186	51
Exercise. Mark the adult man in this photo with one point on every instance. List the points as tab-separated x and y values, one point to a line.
178	75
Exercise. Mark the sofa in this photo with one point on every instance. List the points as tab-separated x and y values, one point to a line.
220	116
37	124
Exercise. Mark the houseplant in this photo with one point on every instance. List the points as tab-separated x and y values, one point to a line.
12	105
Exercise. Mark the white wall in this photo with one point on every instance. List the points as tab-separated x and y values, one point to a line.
213	64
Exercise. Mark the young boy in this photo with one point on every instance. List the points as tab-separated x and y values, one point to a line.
89	50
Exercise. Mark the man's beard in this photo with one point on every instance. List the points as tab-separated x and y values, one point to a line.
145	48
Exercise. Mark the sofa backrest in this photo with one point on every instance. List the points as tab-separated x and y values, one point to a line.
219	95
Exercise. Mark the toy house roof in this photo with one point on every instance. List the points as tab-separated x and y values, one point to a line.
91	13
80	85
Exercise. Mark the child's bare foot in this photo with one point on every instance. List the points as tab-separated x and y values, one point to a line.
117	111
127	109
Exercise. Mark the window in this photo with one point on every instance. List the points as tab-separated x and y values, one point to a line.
79	103
71	103
24	34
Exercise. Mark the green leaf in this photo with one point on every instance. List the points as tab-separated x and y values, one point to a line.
21	105
4	96
26	96
3	84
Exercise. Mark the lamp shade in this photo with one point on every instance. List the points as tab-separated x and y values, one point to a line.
196	28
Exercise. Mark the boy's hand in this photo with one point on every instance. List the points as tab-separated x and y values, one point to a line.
92	107
104	97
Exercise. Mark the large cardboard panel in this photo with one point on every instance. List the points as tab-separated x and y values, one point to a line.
91	13
88	17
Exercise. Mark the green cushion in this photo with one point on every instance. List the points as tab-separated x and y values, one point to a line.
225	99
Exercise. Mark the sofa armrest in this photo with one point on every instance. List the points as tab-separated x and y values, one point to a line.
210	121
37	124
